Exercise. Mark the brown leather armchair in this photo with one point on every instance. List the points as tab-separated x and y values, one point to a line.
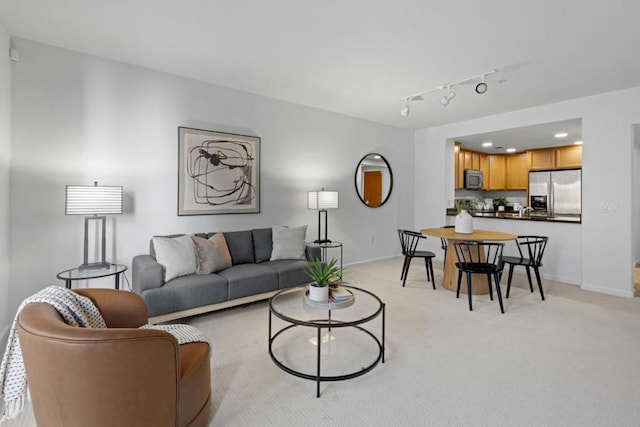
118	376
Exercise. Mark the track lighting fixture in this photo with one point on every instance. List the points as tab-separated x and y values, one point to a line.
404	112
481	88
448	97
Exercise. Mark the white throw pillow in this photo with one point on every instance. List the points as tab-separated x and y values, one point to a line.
176	254
288	243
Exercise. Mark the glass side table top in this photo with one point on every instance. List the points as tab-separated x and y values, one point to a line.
289	305
81	274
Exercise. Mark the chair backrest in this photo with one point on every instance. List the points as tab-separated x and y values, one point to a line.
532	247
443	241
473	254
402	241
409	240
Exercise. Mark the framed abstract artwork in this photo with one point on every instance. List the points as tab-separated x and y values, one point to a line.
218	172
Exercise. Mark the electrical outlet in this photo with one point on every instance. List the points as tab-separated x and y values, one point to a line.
610	207
372	239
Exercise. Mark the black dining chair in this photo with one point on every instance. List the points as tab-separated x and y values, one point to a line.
409	242
531	250
480	258
444	244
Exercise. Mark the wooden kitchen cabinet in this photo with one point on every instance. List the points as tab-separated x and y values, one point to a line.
458	167
517	171
543	158
484	167
497	172
569	156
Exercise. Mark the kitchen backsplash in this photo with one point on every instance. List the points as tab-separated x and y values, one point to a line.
511	196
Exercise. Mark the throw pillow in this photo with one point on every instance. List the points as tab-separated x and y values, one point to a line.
288	243
213	254
176	255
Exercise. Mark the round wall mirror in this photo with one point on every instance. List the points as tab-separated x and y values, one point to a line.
373	180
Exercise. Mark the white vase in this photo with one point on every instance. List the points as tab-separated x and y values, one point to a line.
318	293
464	223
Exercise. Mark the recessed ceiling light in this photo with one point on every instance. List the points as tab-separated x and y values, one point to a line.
511	150
487	144
561	135
578	143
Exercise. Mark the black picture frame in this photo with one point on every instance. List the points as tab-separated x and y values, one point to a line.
218	172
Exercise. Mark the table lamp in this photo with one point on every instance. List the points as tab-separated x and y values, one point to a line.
96	201
322	200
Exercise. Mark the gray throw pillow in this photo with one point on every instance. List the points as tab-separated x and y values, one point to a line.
262	244
213	253
288	243
177	255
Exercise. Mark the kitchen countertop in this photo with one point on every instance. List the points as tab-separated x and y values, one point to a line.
514	215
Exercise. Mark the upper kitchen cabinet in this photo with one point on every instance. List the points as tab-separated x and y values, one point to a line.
517	175
484	167
543	158
497	166
569	156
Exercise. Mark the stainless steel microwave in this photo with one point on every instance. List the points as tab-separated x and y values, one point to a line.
473	179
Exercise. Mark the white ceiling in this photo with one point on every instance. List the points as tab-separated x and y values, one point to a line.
359	57
525	138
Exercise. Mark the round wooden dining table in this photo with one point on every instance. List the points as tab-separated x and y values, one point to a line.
479	282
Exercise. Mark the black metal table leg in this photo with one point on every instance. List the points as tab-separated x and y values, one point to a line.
318	373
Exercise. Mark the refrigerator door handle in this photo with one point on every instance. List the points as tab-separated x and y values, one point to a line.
551	199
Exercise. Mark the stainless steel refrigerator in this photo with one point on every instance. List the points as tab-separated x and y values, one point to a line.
556	193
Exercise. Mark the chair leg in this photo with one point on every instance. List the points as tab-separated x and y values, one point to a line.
426	265
535	269
490	287
529	277
406	271
404	267
509	280
459	281
499	292
469	290
433	277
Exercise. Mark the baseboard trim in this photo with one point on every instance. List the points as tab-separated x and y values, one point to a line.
617	293
367	261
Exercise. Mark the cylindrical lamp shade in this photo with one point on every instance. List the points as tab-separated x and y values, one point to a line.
322	200
92	200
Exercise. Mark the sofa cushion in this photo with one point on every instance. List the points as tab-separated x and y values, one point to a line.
186	292
240	245
212	253
249	279
288	242
176	254
290	272
262	244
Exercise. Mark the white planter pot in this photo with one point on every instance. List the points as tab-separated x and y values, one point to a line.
318	293
464	223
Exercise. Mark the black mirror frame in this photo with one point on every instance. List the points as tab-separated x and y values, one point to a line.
355	179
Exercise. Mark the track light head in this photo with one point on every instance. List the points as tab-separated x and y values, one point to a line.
448	97
404	112
481	88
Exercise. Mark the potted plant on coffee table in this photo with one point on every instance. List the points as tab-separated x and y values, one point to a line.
322	275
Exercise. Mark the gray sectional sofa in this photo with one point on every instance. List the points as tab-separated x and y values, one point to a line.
253	276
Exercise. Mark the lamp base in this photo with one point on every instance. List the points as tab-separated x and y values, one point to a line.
94	266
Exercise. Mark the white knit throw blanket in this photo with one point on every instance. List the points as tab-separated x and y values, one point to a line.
76	310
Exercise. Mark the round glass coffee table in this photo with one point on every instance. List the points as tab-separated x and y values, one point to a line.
325	341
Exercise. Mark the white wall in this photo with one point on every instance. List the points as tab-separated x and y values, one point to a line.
78	118
605	257
5	155
635	192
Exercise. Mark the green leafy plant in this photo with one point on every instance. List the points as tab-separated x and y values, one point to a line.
324	274
500	201
465	204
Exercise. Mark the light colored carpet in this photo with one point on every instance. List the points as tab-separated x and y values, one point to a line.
573	360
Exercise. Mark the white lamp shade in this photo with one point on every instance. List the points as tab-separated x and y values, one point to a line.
92	200
322	200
